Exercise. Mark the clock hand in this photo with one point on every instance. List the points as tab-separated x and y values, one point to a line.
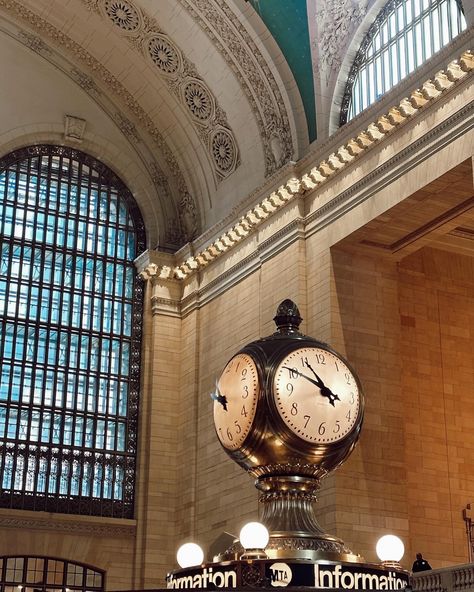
222	399
323	389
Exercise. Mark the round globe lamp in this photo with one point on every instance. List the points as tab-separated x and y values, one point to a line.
390	550
254	538
189	555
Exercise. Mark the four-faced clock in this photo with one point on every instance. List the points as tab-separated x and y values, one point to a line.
235	401
317	396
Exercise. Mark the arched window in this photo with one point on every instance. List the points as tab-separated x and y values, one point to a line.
70	333
24	573
403	36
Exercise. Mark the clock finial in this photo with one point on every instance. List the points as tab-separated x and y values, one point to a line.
288	317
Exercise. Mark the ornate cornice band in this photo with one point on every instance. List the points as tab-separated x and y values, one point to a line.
333	164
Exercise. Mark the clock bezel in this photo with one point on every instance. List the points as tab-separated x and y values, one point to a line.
340	448
256	429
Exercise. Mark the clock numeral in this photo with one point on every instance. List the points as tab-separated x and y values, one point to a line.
293	372
244	373
294	409
320	359
337	427
347	376
348	415
352	399
246	392
229	435
336	364
307	417
289	388
239	429
243	412
237	367
304	362
322	428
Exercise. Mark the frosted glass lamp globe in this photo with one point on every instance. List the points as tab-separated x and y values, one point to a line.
253	536
390	548
189	555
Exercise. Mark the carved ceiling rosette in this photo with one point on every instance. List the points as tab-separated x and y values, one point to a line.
224	151
145	35
123	14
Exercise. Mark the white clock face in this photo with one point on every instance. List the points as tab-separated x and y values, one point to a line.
316	395
235	401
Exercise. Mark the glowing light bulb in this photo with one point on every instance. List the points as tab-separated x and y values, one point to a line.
254	536
390	548
189	555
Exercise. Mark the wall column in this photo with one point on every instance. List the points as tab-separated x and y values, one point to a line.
157	479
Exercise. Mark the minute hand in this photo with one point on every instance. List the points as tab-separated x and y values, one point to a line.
323	389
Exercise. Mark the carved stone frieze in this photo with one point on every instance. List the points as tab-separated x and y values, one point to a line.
336	19
71	526
236	46
34	42
127	127
146	36
86	82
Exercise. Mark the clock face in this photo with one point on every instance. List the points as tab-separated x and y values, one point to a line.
316	395
235	401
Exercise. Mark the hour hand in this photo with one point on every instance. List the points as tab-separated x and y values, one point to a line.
325	391
222	399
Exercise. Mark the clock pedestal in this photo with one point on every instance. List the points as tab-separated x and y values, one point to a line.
288	513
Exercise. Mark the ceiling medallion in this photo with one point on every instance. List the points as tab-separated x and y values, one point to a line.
123	14
164	54
198	100
223	151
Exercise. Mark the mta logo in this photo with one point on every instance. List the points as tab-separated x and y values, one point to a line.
280	574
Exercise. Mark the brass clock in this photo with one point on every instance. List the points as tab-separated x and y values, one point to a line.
289	410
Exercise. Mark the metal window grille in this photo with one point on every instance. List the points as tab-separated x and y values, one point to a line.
405	34
48	574
70	334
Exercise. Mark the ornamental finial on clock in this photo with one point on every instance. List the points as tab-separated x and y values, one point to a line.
288	318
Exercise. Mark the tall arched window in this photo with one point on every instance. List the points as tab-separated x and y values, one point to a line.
70	333
403	36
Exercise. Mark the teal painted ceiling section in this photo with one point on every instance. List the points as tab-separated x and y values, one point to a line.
287	21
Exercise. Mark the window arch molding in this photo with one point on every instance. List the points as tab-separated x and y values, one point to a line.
372	40
42	573
71	317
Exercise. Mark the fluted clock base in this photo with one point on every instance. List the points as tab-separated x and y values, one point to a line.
288	513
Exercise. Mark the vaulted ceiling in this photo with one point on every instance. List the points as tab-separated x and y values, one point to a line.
192	102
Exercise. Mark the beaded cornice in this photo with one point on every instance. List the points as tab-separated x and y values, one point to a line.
316	176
